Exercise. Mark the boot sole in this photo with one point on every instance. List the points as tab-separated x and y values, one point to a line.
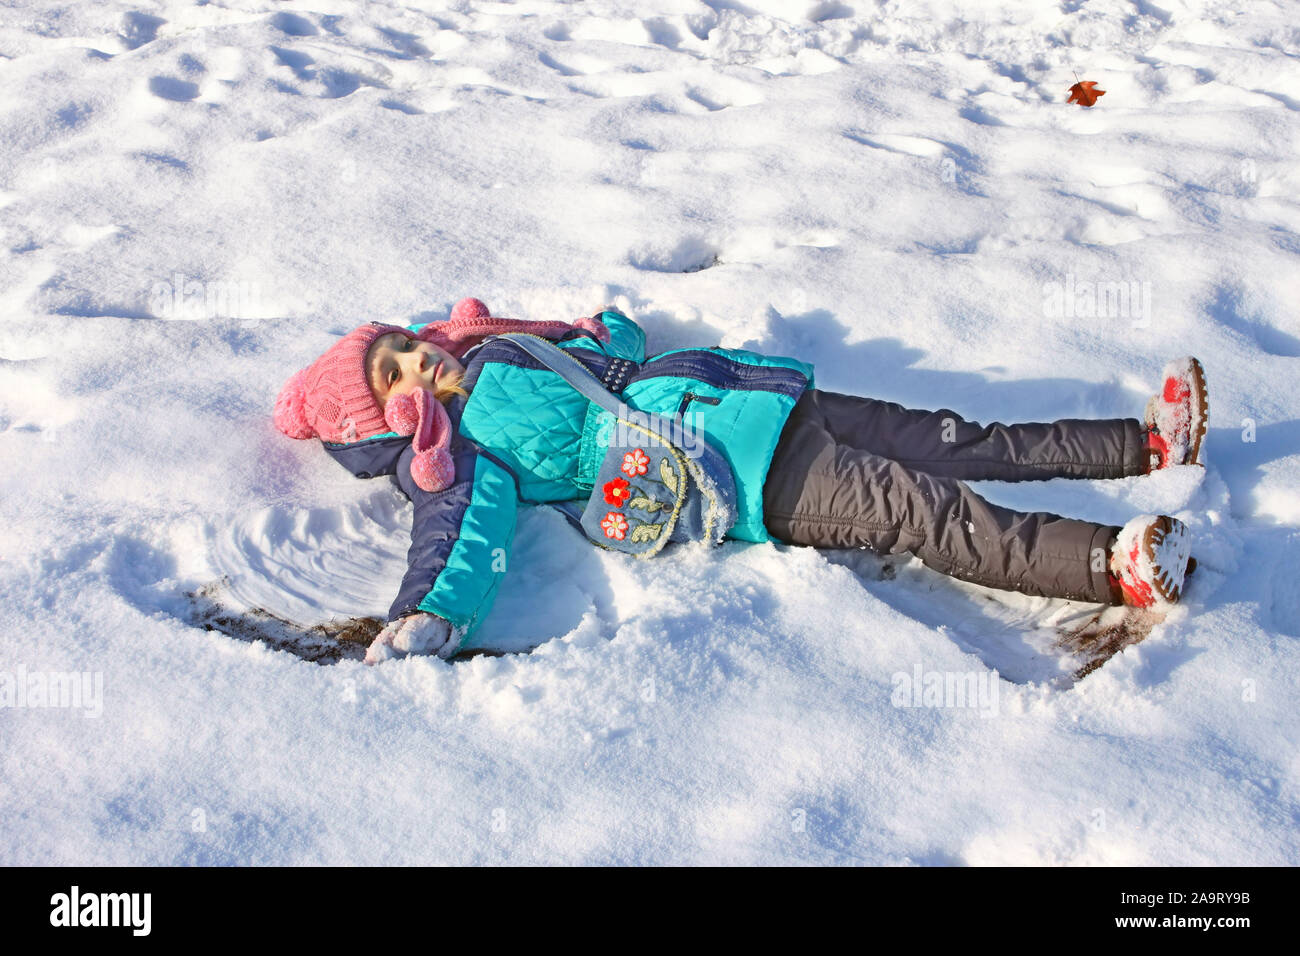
1170	536
1200	413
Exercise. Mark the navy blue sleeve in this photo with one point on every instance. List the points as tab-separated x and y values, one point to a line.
460	539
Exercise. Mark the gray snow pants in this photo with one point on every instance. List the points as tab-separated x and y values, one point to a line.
851	472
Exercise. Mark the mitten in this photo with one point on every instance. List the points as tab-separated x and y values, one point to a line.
417	633
594	325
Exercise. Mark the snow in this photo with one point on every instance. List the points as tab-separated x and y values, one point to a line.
195	198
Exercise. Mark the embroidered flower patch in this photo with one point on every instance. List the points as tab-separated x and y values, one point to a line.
620	492
617	491
635	462
646	486
614	525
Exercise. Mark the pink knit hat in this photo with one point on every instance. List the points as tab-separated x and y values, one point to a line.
331	398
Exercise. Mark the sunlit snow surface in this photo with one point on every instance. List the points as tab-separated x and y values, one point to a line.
196	198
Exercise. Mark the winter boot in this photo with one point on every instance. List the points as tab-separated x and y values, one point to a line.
1149	560
1177	416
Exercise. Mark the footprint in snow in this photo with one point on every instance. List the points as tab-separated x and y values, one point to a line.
170	88
291	24
139	29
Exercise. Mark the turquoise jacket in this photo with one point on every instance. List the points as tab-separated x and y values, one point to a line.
524	435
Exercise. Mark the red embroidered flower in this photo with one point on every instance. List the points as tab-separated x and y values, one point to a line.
616	491
634	463
615	525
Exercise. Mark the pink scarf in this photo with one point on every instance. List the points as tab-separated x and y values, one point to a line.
471	323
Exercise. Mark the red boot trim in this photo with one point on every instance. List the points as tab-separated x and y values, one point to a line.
1157	450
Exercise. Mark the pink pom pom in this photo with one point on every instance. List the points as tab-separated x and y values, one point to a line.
291	411
469	309
433	469
402	414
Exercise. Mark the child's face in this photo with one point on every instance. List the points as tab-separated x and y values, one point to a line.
397	364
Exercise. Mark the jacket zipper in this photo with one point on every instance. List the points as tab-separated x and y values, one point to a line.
759	378
689	397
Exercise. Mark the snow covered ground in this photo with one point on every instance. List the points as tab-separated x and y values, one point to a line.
195	198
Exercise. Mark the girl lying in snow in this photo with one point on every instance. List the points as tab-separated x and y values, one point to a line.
469	425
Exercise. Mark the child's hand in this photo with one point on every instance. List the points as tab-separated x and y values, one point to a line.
594	325
417	633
